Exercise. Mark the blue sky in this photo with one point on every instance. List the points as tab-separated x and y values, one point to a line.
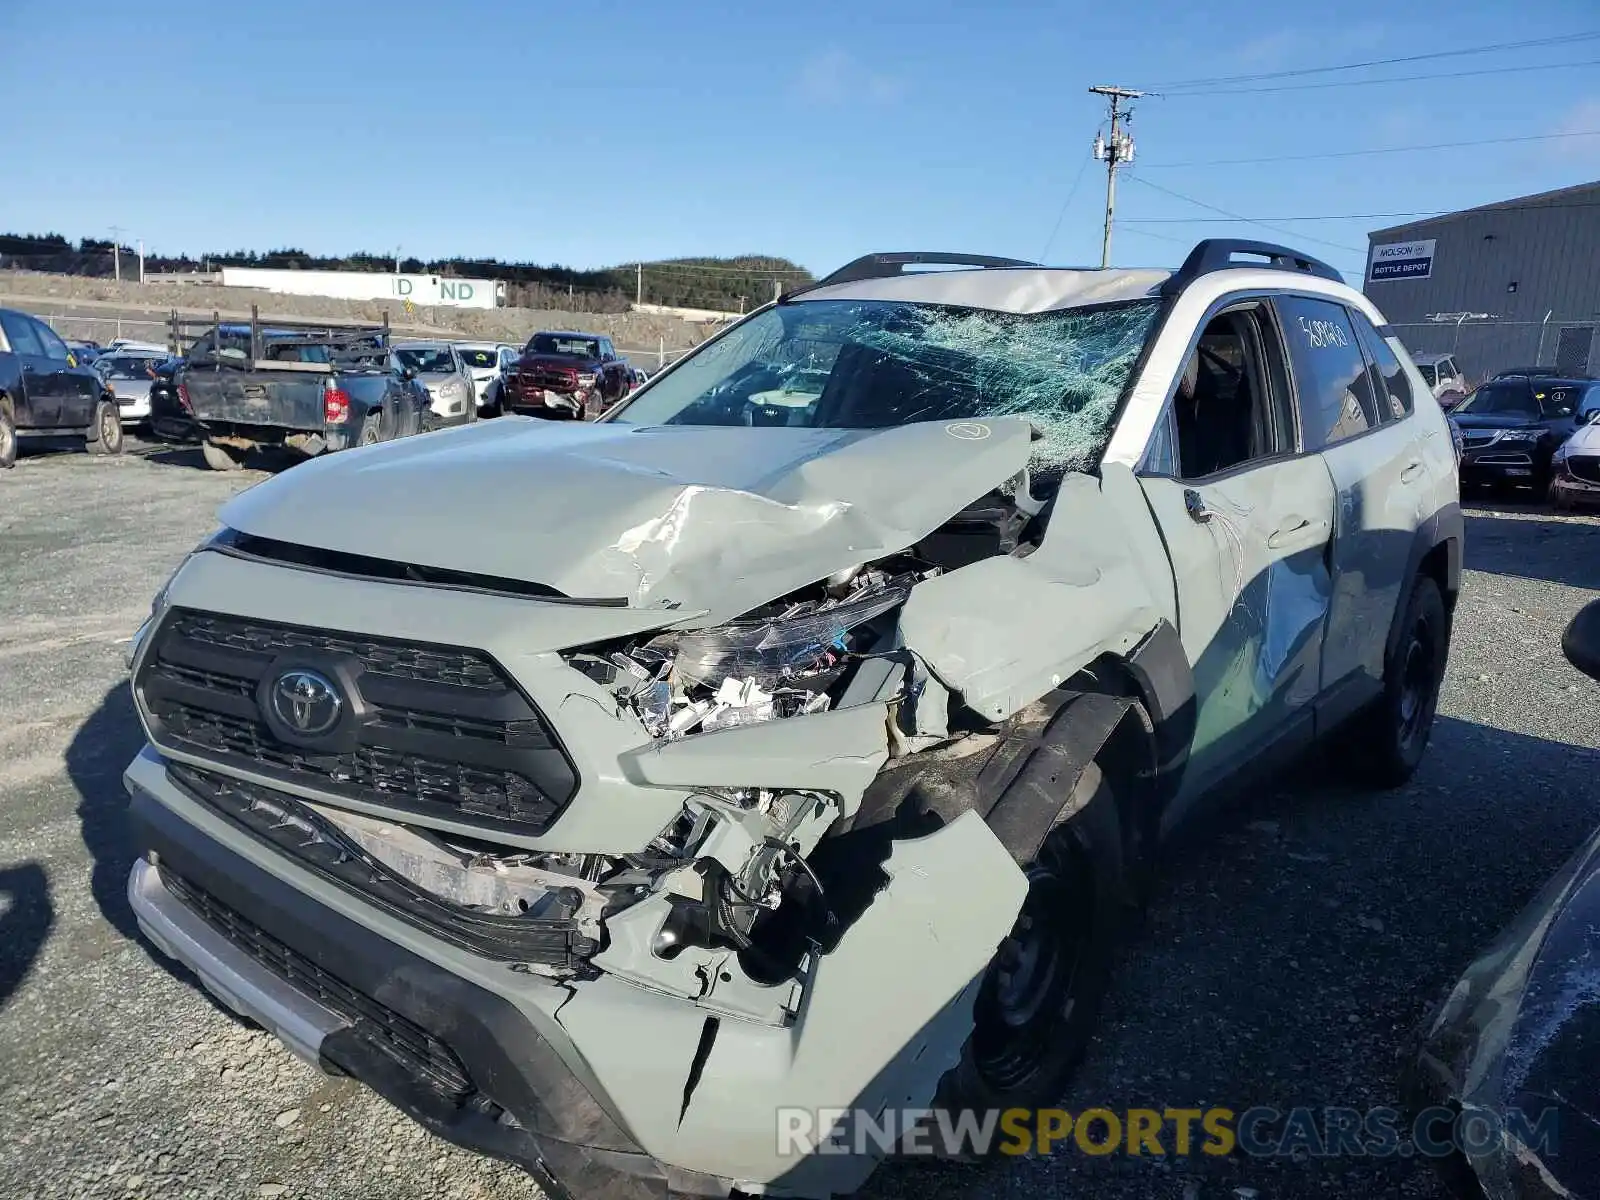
600	133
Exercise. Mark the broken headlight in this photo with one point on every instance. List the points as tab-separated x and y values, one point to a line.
780	664
774	652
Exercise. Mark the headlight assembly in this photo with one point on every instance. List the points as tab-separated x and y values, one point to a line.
1519	435
783	664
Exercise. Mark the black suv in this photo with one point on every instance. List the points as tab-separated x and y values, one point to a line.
1510	427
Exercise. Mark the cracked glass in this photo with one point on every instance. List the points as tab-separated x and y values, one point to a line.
849	364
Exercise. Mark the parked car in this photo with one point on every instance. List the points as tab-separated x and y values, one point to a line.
85	352
129	377
1443	377
1515	1043
1510	428
1575	466
304	388
169	419
486	364
44	392
758	763
130	345
438	367
637	378
566	375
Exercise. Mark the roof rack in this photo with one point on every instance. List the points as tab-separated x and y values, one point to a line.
1217	254
891	264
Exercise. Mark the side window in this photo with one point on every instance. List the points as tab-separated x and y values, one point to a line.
606	352
19	332
1332	383
1230	404
54	347
1395	392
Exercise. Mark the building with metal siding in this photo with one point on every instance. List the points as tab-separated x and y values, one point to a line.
1510	284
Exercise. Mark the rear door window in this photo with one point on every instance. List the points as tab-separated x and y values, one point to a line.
1333	386
54	347
19	332
1394	389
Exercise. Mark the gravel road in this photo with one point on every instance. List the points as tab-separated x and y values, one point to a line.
1288	953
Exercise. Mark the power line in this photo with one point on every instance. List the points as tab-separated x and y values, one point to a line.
1238	162
1381	62
1345	83
1247	220
1061	216
1255	220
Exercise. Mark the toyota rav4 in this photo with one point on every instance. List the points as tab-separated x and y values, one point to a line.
803	740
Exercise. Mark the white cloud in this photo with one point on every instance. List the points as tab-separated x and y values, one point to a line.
836	77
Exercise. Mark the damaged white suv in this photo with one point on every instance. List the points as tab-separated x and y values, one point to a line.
798	736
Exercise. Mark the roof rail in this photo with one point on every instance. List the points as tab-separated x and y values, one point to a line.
891	264
1216	254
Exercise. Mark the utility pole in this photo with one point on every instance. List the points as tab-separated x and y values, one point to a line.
639	298
1113	151
141	260
116	251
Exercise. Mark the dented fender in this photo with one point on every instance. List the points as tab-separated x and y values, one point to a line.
883	1016
1005	631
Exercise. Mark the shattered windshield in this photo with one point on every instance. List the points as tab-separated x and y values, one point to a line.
875	364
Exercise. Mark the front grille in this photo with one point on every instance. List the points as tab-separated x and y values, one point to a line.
1470	440
423	1056
433	731
1585	467
424	664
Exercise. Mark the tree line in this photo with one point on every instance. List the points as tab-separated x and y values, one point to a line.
728	284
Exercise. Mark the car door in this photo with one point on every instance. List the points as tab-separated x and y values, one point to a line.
1246	518
1359	418
40	406
78	387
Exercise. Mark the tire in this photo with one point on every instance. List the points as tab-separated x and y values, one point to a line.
371	430
105	434
1040	996
219	458
1388	740
8	440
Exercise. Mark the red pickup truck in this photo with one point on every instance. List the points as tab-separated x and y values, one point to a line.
566	376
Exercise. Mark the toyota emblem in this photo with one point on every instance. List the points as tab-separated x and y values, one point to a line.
306	702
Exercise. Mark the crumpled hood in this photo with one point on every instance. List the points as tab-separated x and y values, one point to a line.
709	519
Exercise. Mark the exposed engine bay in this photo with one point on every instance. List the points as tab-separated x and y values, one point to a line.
708	888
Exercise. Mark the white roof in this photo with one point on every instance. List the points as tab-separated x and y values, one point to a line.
1004	289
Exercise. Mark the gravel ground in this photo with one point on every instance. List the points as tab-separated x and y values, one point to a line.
1288	953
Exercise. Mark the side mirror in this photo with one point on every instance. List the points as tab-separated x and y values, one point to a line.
408	373
1581	642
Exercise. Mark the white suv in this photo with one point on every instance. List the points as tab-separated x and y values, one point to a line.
798	740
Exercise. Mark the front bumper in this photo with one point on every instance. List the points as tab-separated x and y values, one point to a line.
598	1086
1572	490
1499	464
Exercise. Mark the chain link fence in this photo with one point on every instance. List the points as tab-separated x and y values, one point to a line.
1483	346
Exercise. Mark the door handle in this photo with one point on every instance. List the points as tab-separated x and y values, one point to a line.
1413	470
1301	532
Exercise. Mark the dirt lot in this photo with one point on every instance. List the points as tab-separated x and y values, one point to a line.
1290	949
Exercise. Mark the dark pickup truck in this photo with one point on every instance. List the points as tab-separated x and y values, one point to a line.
566	376
303	388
